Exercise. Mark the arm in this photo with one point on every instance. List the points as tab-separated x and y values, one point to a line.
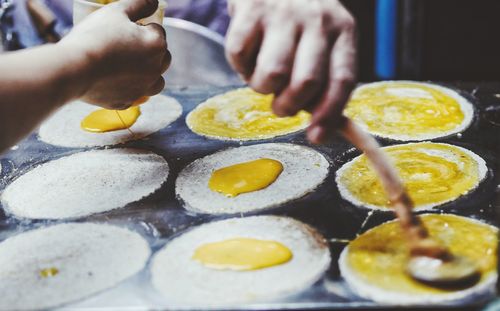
106	60
33	83
303	51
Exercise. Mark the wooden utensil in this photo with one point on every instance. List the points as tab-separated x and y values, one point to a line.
430	262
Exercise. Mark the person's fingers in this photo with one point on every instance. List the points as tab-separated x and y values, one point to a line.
275	59
124	105
243	41
138	9
167	60
155	44
155	38
342	79
309	76
156	35
157	29
157	87
141	100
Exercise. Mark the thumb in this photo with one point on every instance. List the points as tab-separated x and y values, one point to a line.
138	9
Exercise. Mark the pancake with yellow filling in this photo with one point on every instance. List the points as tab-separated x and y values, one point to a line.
64	128
432	173
374	263
409	111
242	114
48	267
238	261
250	178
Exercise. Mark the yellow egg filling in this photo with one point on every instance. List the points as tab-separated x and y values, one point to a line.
402	108
244	115
379	256
429	177
105	1
49	272
104	120
242	254
245	177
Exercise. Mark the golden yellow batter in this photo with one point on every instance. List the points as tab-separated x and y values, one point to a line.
242	254
432	173
49	272
378	257
104	120
105	1
245	177
405	109
242	114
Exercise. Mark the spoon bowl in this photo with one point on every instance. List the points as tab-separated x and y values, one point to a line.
455	272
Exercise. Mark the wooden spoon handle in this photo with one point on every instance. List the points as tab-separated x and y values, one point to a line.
418	237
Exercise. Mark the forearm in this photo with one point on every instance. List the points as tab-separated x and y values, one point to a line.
33	83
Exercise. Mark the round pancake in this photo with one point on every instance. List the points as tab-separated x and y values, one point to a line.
85	183
63	128
304	169
433	173
409	111
373	264
185	282
52	266
242	114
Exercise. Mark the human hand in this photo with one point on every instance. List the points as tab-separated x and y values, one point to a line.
121	61
303	51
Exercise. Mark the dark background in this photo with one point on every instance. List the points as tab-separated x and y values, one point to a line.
441	40
456	39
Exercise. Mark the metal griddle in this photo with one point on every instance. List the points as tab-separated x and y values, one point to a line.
160	217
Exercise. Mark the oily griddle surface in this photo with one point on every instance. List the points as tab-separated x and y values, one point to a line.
160	216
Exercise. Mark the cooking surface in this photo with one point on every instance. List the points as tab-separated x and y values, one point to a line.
160	216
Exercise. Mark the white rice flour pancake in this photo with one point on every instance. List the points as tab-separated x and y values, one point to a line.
85	183
185	282
434	174
63	128
374	263
409	110
52	266
303	170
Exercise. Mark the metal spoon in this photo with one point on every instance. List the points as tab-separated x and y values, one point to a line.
429	262
456	273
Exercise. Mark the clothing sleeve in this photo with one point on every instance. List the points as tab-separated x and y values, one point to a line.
209	13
